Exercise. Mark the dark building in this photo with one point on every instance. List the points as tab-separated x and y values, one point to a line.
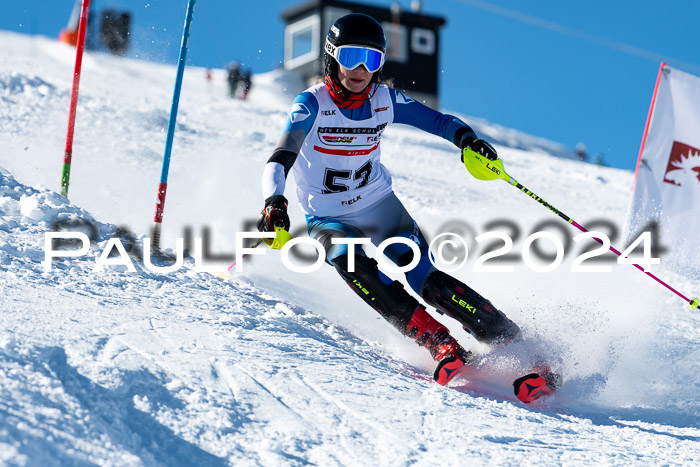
413	39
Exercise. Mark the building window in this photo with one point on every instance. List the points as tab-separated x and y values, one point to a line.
301	42
423	41
396	42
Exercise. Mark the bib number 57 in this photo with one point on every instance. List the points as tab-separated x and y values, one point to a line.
333	178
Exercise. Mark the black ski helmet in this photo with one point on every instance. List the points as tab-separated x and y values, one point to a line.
354	29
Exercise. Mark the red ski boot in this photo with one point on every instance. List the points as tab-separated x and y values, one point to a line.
542	382
435	337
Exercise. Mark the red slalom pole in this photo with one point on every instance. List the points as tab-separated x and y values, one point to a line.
80	46
646	127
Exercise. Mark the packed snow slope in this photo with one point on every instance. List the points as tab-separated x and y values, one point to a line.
270	367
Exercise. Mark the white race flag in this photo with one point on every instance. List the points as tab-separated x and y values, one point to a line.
667	178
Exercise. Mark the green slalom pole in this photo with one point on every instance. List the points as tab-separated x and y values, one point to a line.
482	168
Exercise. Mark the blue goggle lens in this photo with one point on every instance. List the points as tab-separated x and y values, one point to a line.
352	57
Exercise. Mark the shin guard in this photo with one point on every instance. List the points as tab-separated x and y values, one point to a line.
387	297
478	316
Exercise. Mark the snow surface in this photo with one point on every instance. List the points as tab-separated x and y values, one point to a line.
277	368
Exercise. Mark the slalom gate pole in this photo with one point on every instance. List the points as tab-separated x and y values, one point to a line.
80	47
485	169
163	185
646	129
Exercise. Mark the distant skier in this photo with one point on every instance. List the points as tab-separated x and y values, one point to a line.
247	82
234	75
335	129
581	152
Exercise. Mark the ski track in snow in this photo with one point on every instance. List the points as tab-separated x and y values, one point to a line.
276	368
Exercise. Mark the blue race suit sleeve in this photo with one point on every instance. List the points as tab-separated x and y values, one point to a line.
302	113
411	112
300	120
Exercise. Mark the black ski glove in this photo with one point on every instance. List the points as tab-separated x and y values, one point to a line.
481	147
274	214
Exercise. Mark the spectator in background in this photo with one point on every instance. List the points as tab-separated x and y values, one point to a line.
234	74
247	83
114	31
581	152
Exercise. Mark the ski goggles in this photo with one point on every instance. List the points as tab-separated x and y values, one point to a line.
352	56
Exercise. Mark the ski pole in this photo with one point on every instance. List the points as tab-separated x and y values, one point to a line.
485	169
254	245
281	237
163	185
80	46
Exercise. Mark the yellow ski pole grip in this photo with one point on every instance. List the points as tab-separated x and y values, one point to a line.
281	238
482	168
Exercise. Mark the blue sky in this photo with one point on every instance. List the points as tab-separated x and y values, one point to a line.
567	71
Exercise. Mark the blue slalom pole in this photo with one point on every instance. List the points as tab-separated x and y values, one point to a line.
163	185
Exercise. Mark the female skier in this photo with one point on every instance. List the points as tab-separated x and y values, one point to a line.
332	143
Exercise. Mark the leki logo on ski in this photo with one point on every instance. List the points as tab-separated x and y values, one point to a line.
683	167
